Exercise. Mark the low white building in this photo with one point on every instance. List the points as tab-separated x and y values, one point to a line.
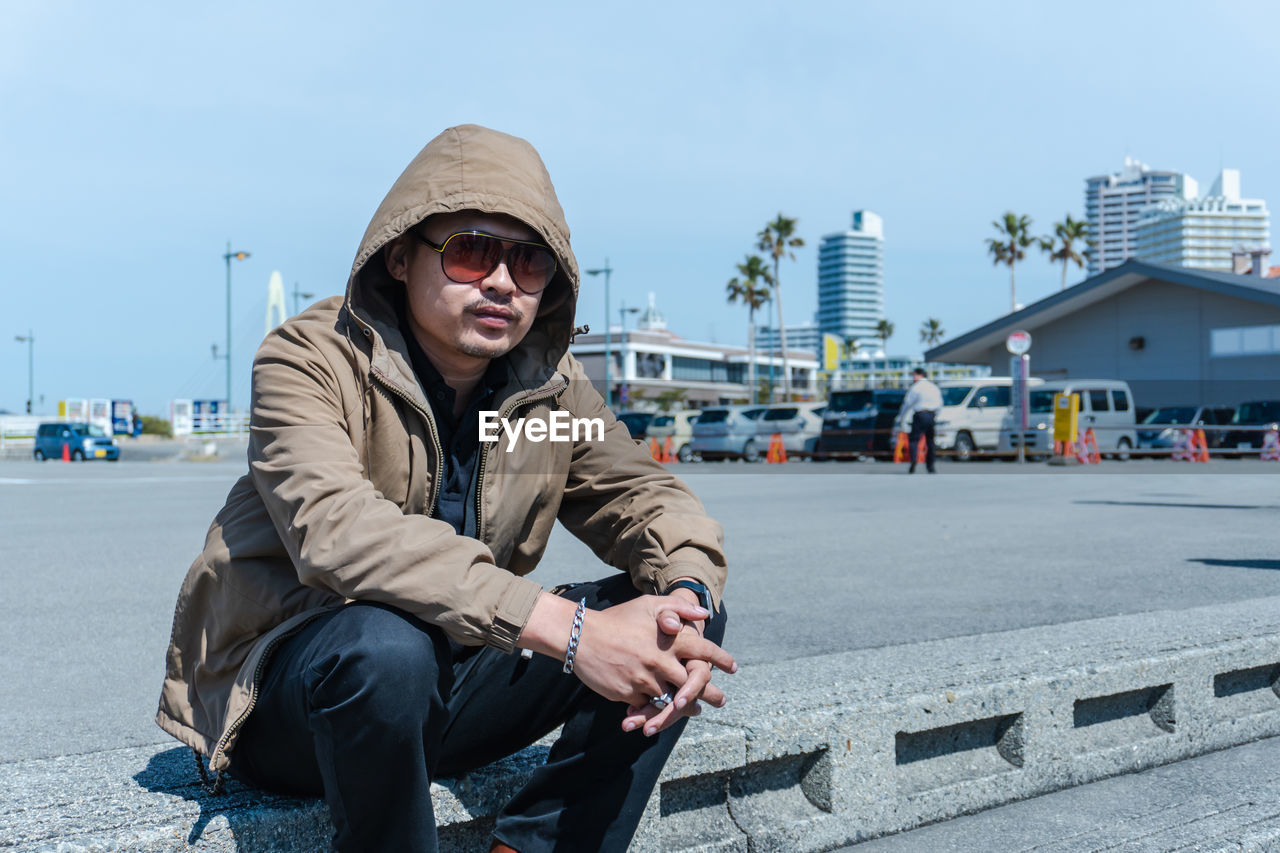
650	361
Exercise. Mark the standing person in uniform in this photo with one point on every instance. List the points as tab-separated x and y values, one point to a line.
359	622
919	409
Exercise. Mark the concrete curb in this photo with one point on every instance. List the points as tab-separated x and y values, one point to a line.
811	754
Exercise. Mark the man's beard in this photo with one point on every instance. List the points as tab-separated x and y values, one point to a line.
490	349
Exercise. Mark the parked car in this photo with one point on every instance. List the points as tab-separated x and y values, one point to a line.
82	441
1161	429
636	422
1259	413
728	432
799	424
972	414
1106	405
859	423
678	426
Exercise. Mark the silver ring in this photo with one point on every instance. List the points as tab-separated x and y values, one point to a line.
661	702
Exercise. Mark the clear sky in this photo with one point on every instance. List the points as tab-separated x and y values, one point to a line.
137	138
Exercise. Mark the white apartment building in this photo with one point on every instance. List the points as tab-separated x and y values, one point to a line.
851	280
806	337
1114	205
1202	233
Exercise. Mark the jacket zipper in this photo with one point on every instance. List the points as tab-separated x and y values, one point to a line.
484	449
253	691
435	439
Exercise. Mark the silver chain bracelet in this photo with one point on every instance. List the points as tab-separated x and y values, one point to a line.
574	634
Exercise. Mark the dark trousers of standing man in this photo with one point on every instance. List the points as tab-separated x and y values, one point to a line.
367	704
921	424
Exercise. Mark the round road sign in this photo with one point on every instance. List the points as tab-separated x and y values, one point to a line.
1018	342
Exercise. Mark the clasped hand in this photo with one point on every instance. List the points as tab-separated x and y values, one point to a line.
648	646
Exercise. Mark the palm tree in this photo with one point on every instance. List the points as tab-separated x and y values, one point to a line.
1009	247
752	287
778	238
884	331
931	331
1069	233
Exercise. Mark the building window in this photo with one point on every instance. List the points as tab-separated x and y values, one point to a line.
1244	341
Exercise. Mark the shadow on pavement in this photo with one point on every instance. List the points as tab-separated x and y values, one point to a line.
174	772
1180	505
1238	564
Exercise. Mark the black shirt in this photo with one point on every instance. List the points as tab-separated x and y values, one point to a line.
459	437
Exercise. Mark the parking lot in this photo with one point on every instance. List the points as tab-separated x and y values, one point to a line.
824	558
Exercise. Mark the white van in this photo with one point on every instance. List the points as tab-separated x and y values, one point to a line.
1106	406
973	413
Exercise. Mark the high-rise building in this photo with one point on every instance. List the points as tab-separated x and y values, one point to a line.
851	279
1113	205
805	336
1204	232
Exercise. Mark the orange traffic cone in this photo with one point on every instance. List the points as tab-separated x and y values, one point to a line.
777	450
1090	446
667	455
1199	439
66	453
900	448
654	450
922	450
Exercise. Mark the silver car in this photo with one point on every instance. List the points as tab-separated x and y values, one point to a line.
729	432
799	425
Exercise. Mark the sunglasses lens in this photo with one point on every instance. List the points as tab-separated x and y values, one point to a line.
471	257
531	266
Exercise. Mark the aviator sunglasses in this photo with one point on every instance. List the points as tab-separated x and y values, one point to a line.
469	256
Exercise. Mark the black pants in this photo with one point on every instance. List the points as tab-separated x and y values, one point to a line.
367	704
921	424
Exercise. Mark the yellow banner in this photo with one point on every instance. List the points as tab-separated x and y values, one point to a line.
830	352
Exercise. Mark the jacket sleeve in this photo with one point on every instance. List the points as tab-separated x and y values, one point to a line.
341	533
630	510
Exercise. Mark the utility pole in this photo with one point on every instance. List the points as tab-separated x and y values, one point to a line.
298	296
30	340
228	257
608	341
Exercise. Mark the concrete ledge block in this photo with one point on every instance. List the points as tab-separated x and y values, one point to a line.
809	755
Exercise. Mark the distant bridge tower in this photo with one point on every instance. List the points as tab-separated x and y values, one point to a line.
275	301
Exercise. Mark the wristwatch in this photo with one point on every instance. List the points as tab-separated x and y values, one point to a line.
700	590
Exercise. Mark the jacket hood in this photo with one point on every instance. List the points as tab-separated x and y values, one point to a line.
470	167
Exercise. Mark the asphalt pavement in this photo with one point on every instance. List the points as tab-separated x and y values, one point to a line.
824	558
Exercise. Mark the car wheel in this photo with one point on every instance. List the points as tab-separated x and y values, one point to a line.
39	454
684	454
963	449
750	453
77	456
1123	448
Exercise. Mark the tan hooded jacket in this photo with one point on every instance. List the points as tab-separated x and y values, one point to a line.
343	463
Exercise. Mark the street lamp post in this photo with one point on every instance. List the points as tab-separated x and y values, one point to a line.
298	296
622	350
228	257
608	341
30	340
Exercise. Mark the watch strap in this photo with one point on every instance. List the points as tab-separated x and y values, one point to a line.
698	589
